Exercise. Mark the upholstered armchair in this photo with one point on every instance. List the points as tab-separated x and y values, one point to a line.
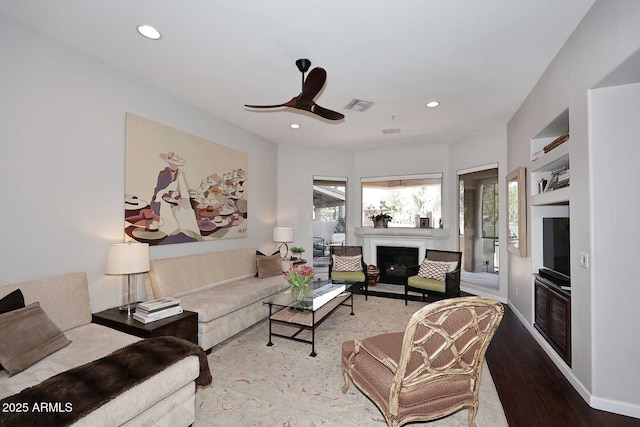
438	274
346	264
430	370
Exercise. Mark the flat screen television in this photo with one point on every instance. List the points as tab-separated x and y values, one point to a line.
555	248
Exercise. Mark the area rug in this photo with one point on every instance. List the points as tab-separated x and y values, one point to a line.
281	385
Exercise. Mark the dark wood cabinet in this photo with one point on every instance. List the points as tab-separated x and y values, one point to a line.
553	316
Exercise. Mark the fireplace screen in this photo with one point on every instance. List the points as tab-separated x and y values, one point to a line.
393	262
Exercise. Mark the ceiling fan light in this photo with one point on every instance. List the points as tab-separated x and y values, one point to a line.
433	104
294	126
149	32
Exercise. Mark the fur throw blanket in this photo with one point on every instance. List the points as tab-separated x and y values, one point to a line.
87	387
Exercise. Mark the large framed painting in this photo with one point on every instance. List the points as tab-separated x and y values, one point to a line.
180	188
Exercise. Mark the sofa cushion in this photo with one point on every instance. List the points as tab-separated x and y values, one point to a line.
88	342
216	301
12	301
27	335
427	284
181	275
64	298
347	263
436	270
269	266
348	276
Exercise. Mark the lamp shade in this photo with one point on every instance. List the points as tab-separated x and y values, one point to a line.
128	258
283	234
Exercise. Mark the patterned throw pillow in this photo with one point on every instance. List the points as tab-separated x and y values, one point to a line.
433	270
347	263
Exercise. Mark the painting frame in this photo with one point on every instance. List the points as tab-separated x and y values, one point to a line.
181	188
517	212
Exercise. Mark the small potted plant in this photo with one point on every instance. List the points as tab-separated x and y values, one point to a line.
297	252
381	220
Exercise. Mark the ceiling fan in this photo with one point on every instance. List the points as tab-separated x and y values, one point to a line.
310	88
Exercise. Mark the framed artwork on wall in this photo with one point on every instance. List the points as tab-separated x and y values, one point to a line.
181	188
517	212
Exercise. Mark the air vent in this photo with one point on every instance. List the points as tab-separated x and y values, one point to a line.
388	131
358	105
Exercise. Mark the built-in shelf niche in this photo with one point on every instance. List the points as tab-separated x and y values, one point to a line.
544	164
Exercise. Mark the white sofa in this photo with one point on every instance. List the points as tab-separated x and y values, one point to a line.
167	398
221	287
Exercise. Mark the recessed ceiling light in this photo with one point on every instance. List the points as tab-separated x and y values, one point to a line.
149	32
433	104
294	126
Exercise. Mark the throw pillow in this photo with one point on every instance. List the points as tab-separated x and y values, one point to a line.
260	254
12	301
436	270
269	266
347	263
27	335
452	265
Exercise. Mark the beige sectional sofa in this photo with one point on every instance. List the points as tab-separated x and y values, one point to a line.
167	398
221	287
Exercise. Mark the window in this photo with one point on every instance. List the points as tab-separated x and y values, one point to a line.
403	198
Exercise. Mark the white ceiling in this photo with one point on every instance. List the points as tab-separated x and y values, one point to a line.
479	58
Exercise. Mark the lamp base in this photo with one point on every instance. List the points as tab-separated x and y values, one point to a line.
125	307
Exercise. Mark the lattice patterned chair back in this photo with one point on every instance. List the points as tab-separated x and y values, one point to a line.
437	370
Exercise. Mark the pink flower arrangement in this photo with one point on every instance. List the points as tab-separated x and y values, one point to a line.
304	270
299	278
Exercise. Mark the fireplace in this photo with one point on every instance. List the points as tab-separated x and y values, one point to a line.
393	262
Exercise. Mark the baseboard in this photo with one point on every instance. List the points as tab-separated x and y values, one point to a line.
615	406
483	292
560	364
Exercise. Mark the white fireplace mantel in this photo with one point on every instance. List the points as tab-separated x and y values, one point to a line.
421	238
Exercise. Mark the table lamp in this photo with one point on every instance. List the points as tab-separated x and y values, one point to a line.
128	258
283	235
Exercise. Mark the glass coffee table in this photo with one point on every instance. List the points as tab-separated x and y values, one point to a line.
323	299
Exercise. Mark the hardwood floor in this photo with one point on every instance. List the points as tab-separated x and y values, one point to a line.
532	389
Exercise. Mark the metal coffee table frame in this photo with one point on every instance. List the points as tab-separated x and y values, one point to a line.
300	316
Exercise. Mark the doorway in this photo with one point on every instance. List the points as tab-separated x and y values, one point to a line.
329	219
478	224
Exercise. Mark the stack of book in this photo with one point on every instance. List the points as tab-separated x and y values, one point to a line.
157	309
563	179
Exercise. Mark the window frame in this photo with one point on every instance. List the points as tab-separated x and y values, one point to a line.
429	175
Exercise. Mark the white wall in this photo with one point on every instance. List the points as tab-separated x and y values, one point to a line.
614	130
607	36
62	130
297	167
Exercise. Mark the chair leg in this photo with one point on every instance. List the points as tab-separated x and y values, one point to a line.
406	295
345	375
472	414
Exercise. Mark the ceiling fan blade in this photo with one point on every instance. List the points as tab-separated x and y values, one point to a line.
290	103
327	114
314	82
264	106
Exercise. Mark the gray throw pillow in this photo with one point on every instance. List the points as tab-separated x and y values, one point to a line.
27	335
269	266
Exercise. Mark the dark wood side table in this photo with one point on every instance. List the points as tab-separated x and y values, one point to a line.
184	325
